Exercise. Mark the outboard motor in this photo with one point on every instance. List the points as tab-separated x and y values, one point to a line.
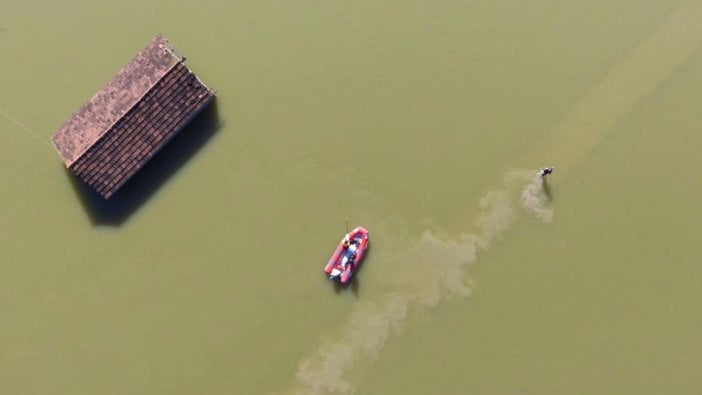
335	274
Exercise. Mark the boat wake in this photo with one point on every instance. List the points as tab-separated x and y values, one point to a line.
437	273
534	198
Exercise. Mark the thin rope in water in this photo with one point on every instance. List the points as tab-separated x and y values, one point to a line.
23	126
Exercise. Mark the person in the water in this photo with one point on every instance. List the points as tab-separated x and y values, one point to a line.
544	171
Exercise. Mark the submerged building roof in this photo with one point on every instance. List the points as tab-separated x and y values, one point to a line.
123	125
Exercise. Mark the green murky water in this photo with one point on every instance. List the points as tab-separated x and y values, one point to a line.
422	121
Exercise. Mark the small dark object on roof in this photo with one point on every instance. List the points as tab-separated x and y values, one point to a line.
140	110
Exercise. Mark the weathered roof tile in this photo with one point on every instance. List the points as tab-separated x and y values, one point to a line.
144	106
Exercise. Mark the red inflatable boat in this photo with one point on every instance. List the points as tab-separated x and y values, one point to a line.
348	255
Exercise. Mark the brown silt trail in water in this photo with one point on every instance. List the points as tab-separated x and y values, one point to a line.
633	79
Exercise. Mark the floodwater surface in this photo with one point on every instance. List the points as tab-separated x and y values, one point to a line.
425	122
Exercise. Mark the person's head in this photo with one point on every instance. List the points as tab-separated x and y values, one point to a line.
346	242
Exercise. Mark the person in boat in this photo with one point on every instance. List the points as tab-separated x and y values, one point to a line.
350	254
544	171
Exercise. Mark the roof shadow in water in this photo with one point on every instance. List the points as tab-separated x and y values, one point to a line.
156	172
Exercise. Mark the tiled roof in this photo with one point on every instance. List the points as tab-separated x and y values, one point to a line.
110	104
143	131
106	159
